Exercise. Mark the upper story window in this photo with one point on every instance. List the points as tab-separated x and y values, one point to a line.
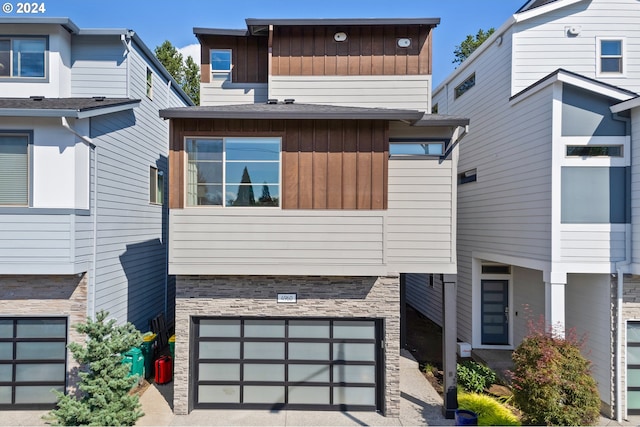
23	57
611	56
149	83
233	171
221	64
14	169
594	150
416	148
463	87
156	186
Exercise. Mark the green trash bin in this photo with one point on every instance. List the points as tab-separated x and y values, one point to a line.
136	362
172	347
148	340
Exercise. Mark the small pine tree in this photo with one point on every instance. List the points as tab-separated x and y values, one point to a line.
552	384
104	383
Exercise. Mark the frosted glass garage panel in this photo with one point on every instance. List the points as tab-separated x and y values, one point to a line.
219	328
308	351
5	395
309	373
6	373
260	372
309	395
633	332
219	372
263	394
354	352
633	355
41	328
633	399
354	396
219	394
6	328
264	328
633	377
309	329
6	351
264	350
40	372
40	350
37	394
354	329
219	350
354	374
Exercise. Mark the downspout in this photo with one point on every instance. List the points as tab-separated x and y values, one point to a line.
92	277
124	39
620	267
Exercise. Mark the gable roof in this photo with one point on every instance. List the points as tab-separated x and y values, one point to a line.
78	108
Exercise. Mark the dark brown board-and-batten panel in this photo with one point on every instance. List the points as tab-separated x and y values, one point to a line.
249	57
326	164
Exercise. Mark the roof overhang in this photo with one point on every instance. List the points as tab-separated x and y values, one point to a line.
626	105
574	79
439	120
290	112
60	107
66	23
219	32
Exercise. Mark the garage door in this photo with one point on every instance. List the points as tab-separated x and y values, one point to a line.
32	361
331	364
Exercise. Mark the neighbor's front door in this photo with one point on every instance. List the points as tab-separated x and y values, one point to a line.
495	312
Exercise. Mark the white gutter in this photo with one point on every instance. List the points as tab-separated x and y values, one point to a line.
91	292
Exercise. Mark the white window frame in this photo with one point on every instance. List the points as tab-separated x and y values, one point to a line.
220	71
29	136
623	51
156	186
11	75
224	172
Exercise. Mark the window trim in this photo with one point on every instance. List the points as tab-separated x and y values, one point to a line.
149	83
221	72
464	86
20	79
29	135
599	57
224	171
156	186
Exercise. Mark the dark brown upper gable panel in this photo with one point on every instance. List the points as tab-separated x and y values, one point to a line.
368	50
249	57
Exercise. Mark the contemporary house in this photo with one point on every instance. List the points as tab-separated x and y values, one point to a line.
83	213
308	180
547	186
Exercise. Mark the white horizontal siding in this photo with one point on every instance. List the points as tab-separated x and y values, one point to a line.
420	216
232	93
542	45
592	243
411	92
258	241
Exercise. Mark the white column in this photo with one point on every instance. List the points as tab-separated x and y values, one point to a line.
554	307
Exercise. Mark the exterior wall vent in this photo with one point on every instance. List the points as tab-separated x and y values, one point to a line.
272	101
36	98
289	101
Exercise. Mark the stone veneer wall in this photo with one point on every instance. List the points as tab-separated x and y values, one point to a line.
375	297
630	311
57	296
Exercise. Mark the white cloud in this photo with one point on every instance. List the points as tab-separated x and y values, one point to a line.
192	50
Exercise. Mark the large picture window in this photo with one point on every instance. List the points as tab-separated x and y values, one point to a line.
23	57
233	171
14	169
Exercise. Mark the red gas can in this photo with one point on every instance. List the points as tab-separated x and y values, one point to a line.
163	369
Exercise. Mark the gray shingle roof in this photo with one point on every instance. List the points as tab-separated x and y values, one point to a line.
290	111
441	120
63	107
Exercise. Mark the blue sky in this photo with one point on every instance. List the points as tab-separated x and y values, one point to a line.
173	20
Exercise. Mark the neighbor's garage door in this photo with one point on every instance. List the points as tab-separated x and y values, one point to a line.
288	363
32	361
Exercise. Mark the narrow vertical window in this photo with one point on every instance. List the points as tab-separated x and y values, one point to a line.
14	170
156	186
149	83
611	57
221	64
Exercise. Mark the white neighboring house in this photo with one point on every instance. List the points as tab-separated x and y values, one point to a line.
83	218
547	190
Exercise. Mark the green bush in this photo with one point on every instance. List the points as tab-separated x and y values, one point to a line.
552	384
474	377
490	412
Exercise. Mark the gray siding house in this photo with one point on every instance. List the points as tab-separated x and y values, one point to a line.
83	177
306	183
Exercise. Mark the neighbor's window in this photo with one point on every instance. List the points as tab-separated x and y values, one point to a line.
594	150
465	86
233	171
611	58
23	57
14	169
416	148
434	109
149	83
595	195
156	186
221	64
